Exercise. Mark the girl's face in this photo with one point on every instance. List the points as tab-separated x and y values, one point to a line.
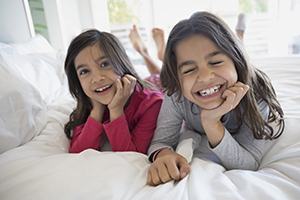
204	71
96	74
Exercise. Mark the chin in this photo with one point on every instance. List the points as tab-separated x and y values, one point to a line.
210	106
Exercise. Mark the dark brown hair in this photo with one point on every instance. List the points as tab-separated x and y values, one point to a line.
118	58
214	28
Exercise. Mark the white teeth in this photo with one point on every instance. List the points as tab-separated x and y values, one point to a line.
210	91
101	89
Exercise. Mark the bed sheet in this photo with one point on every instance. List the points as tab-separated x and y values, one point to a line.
43	168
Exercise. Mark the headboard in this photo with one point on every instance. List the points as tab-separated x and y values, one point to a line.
15	21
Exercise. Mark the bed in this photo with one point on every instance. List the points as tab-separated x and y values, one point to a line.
35	164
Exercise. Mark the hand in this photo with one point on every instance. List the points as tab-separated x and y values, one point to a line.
210	119
232	95
125	88
167	166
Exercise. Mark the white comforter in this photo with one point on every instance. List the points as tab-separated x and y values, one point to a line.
43	169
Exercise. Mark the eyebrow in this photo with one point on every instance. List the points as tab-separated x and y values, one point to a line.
213	54
189	62
97	60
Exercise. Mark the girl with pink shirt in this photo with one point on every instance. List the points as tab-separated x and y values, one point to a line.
116	110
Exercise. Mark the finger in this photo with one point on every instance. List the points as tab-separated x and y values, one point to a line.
173	170
184	168
131	79
126	84
238	92
163	173
149	179
129	84
233	98
153	176
238	88
230	96
241	89
119	83
119	86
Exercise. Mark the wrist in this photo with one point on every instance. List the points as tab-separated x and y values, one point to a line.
160	151
115	114
215	133
96	115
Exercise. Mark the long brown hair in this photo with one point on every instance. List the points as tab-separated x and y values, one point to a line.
117	56
214	28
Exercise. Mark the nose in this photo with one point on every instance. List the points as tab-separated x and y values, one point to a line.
97	76
205	74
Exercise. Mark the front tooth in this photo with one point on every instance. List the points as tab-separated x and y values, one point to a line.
207	91
210	91
101	89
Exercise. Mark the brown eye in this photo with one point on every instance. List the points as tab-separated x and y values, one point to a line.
84	71
105	64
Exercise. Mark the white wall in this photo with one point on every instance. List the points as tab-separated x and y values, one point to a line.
67	18
15	18
178	10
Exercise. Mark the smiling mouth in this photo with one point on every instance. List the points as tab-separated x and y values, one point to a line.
103	88
209	91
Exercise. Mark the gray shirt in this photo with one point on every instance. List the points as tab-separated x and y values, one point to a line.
238	151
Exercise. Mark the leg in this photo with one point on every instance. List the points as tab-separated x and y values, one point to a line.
140	47
241	25
158	36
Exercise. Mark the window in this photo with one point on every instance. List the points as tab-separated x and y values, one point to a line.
272	27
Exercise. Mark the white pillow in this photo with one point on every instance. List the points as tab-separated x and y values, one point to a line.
45	73
32	75
22	109
42	70
38	44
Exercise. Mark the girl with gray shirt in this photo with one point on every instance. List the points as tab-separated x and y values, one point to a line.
211	86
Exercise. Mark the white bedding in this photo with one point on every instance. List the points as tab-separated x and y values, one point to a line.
35	163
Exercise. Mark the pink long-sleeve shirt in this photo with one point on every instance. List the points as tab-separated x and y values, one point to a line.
133	131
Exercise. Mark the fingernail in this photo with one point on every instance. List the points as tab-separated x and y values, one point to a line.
183	174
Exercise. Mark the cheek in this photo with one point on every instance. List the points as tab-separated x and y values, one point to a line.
111	74
84	86
231	76
234	77
186	86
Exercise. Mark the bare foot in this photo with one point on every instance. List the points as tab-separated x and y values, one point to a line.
140	47
158	36
137	41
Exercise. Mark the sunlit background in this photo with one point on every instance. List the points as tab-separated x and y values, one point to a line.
273	26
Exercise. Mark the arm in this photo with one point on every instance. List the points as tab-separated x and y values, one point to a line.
125	88
117	130
87	136
168	165
168	127
211	118
241	151
139	138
